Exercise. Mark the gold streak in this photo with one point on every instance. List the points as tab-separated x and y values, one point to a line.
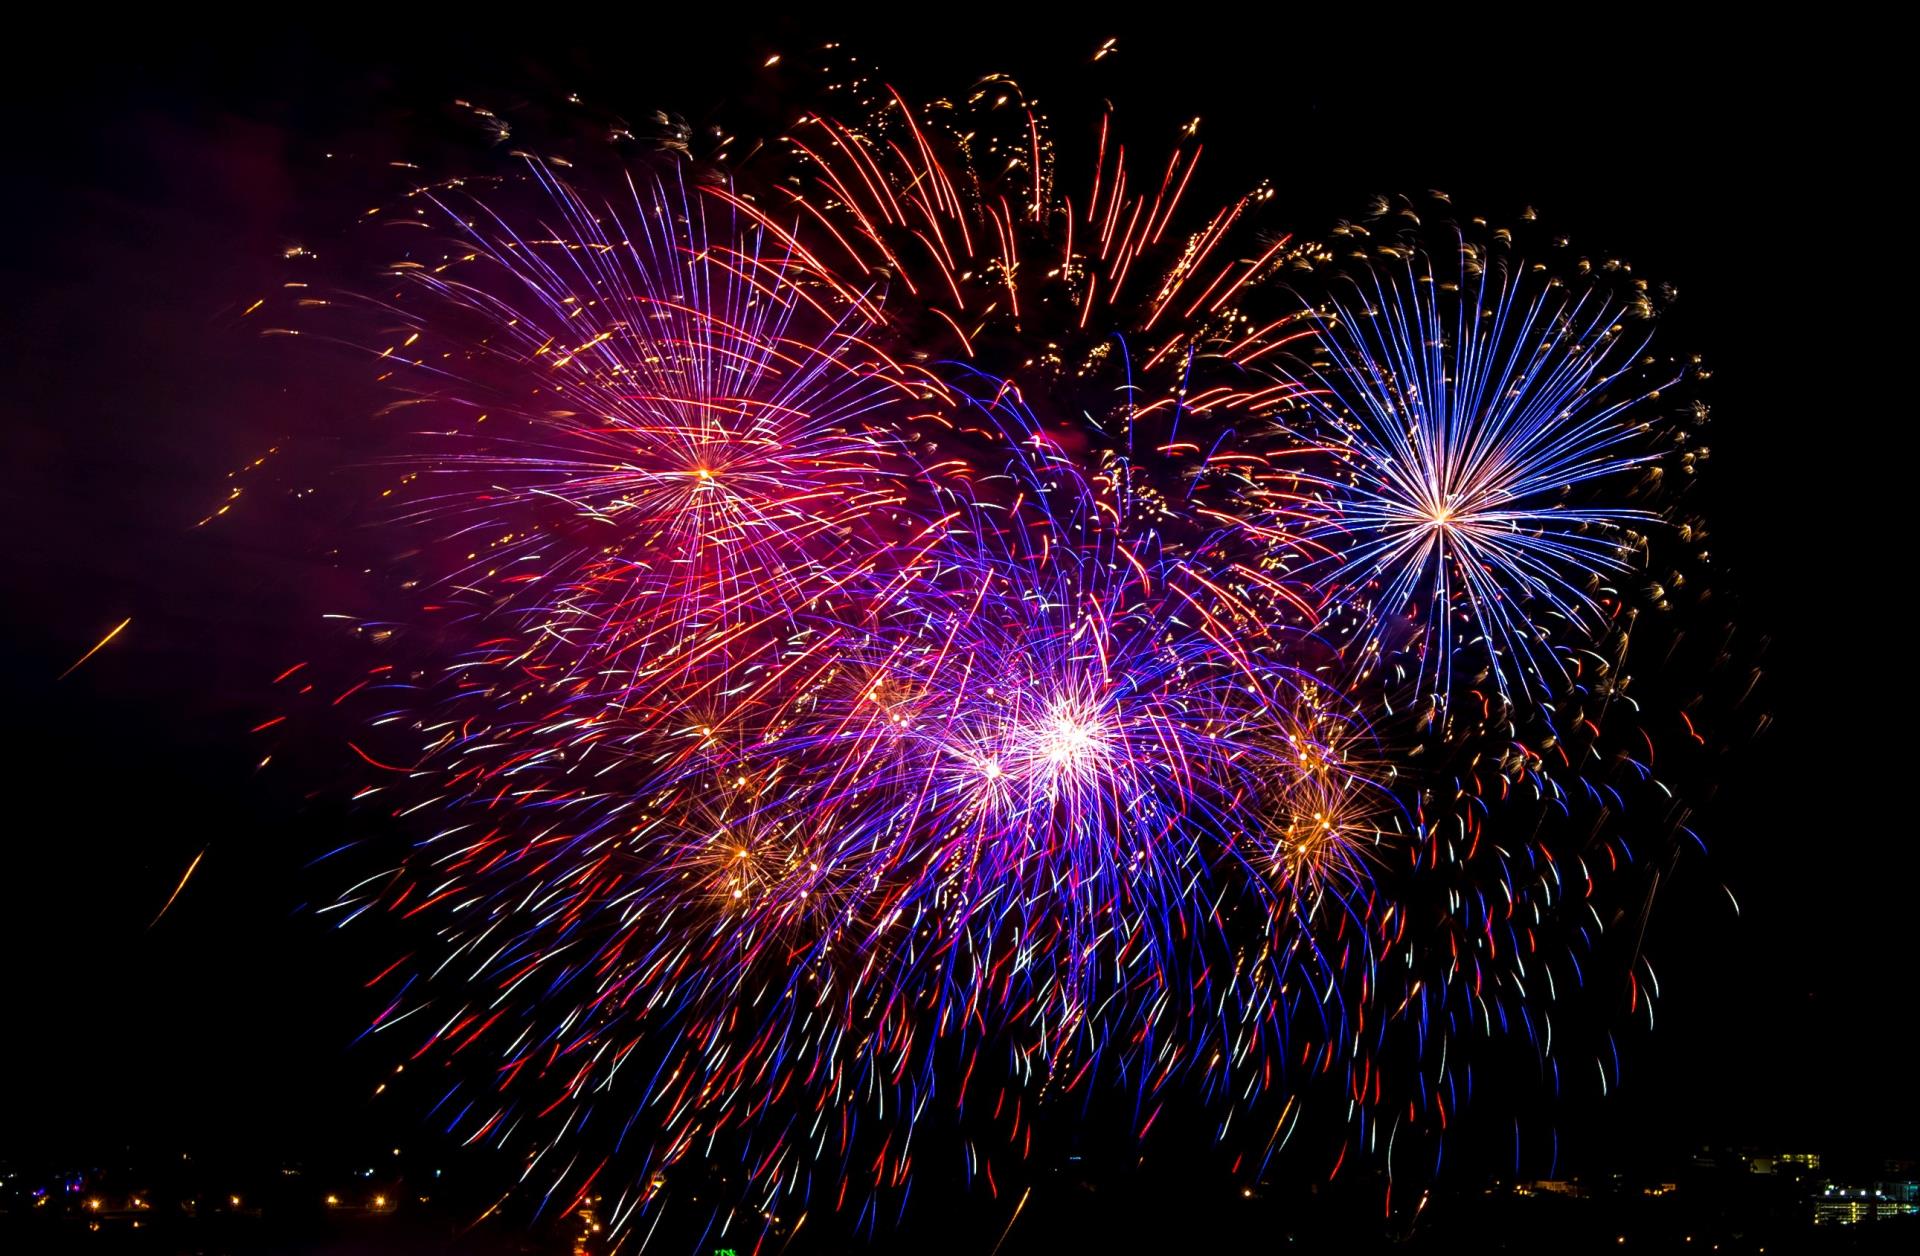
1010	1220
184	877
96	649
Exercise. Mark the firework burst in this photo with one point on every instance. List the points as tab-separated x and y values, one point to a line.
1471	416
910	632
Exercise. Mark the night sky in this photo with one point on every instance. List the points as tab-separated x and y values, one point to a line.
154	182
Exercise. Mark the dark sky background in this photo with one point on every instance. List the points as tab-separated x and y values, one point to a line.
152	183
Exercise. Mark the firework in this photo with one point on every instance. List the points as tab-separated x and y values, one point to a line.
690	441
919	651
1472	419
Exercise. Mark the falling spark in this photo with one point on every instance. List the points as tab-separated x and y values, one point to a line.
184	878
96	649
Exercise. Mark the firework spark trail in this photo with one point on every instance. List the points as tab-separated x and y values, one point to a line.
181	885
99	646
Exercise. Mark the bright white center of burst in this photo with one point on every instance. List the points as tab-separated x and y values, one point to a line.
1065	739
1068	740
